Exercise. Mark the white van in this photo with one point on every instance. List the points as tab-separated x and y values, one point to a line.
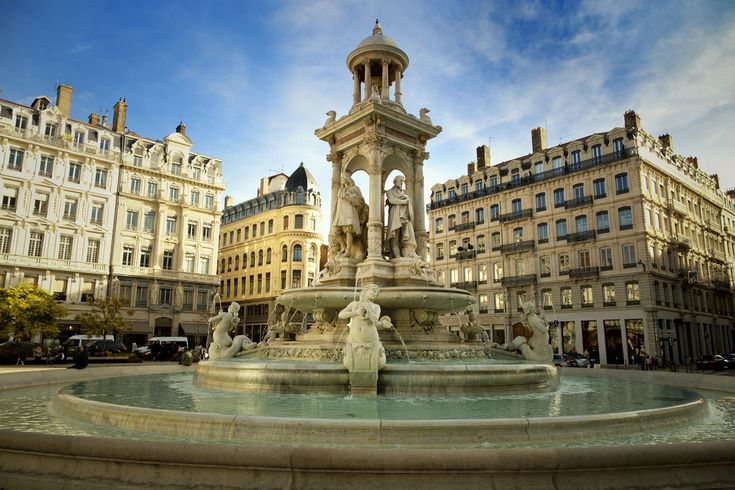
145	351
75	341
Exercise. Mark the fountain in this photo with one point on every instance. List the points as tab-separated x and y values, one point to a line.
389	389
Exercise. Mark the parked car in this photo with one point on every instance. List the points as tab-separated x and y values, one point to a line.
559	360
730	361
715	362
11	351
574	359
98	346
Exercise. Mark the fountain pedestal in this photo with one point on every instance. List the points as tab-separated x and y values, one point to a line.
363	361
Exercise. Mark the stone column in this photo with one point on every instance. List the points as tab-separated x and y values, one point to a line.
336	159
419	209
368	80
356	87
375	216
384	90
397	95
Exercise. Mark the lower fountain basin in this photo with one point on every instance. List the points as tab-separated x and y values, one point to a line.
267	376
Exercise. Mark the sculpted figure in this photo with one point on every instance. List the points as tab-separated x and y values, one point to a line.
331	117
472	328
223	346
350	215
424	115
400	220
537	348
365	320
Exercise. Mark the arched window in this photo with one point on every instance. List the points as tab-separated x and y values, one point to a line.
296	253
229	264
237	262
285	222
270	226
222	266
244	260
260	257
268	256
284	254
252	259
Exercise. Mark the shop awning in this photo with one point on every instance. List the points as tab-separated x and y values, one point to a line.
139	327
191	328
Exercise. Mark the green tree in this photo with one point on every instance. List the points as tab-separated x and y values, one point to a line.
104	317
27	310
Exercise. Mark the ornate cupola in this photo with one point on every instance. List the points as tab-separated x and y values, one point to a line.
377	64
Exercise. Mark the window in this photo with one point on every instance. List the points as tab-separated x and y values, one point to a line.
164	296
127	254
268	255
494	212
206	232
516	206
439	247
559	197
518	234
6	237
629	259
480	244
152	189
145	256
566	297
632	295
606	260
587	300
191	230
260	257
580	223
452	194
480	216
10	198
495	240
618	147
196	172
70	209
176	165
35	244
149	221
439	225
21	122
131	220
209	201
66	243
296	253
438	197
168	260
173	193
138	158
541	201
556	165
625	218
50	130
46	168
93	251
40	205
100	178
578	191
576	160
75	172
493	181
98	209
583	257
515	176
189	260
499	302
451	222
538	168
15	160
546	299
599	187
545	266
597	154
464	217
452	248
478	186
561	229
171	225
298	221
483	306
78	138
465	189
621	183
285	222
204	264
563	263
135	185
603	222
284	254
608	295
497	272
482	273
105	145
270	226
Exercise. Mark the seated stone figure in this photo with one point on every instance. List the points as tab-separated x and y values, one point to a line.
223	346
537	348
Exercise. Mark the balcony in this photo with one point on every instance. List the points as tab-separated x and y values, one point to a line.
717	255
723	284
713	225
678	207
578	202
465	255
516	215
584	272
465	226
171	275
467	285
687	275
524	280
581	236
682	241
521	246
53	264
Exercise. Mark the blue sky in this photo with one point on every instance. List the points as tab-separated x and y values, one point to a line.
253	79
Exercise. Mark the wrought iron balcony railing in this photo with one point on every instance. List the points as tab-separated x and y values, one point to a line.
584	272
516	215
465	226
581	236
465	255
522	280
578	202
521	246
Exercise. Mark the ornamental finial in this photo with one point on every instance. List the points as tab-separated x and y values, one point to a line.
377	30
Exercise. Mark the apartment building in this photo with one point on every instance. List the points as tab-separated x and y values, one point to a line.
90	209
268	244
622	243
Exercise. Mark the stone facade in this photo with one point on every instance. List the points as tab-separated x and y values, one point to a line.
268	244
622	242
76	214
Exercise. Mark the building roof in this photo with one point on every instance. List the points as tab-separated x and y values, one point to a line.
301	178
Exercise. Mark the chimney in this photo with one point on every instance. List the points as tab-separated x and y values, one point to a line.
471	167
483	156
63	98
181	128
632	120
693	162
538	139
94	119
104	120
228	201
716	178
120	112
730	193
665	140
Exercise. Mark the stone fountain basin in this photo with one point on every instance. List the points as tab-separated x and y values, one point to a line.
435	299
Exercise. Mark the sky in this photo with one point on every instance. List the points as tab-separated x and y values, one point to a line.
252	80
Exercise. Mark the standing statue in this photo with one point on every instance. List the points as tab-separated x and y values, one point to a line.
178	297
350	216
223	346
364	354
400	220
537	348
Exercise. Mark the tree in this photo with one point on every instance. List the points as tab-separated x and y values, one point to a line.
103	318
27	311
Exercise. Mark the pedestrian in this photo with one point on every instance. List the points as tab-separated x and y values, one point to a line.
37	354
81	359
49	356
